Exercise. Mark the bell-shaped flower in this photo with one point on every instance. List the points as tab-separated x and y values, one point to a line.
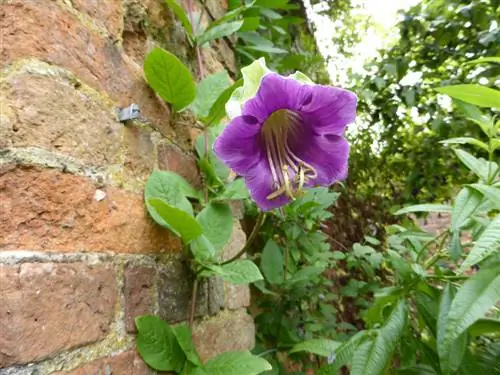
289	135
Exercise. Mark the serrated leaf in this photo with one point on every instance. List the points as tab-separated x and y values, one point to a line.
430	207
466	203
208	91
490	192
170	78
183	224
478	166
181	15
173	189
231	363
236	190
372	355
487	244
472	301
157	344
216	220
344	352
451	356
272	262
481	96
322	347
183	335
218	31
466	140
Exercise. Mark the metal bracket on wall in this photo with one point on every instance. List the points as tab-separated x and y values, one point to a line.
129	113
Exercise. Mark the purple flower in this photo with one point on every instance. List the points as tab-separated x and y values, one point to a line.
290	135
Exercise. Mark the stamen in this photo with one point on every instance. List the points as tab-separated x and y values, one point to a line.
283	162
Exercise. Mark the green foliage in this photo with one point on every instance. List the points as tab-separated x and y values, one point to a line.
170	78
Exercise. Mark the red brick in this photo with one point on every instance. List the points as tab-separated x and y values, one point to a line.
45	209
107	13
138	292
128	363
50	113
98	61
228	331
171	158
48	307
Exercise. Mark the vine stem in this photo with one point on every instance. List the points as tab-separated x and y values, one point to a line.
260	220
193	302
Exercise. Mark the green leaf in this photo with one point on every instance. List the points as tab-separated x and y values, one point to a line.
481	96
181	15
171	188
306	273
475	115
267	49
473	300
466	203
478	166
487	244
218	110
183	224
466	140
158	345
372	355
231	363
218	31
485	327
250	24
416	370
322	347
490	192
202	249
183	335
344	352
208	91
484	60
216	219
242	271
255	38
431	207
272	263
451	356
170	78
236	190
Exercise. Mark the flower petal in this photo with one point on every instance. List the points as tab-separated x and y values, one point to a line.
259	182
276	92
239	144
329	109
328	154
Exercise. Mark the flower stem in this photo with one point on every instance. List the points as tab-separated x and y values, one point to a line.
260	220
193	302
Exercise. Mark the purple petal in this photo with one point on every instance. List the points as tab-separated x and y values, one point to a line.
259	182
277	92
328	154
239	144
329	109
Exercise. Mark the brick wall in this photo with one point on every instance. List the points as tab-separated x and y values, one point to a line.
79	256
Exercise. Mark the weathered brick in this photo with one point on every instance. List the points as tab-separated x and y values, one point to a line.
45	209
228	331
127	363
139	154
138	291
50	113
108	14
97	61
48	307
171	158
237	296
236	242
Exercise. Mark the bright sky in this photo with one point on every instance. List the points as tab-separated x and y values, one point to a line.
384	15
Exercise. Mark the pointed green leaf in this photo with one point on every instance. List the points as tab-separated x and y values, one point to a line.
170	78
431	207
208	91
322	347
185	340
466	140
232	363
478	166
344	353
484	60
481	96
487	244
157	344
485	327
218	110
235	190
183	224
181	15
271	263
466	203
218	31
216	219
490	192
240	272
472	301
